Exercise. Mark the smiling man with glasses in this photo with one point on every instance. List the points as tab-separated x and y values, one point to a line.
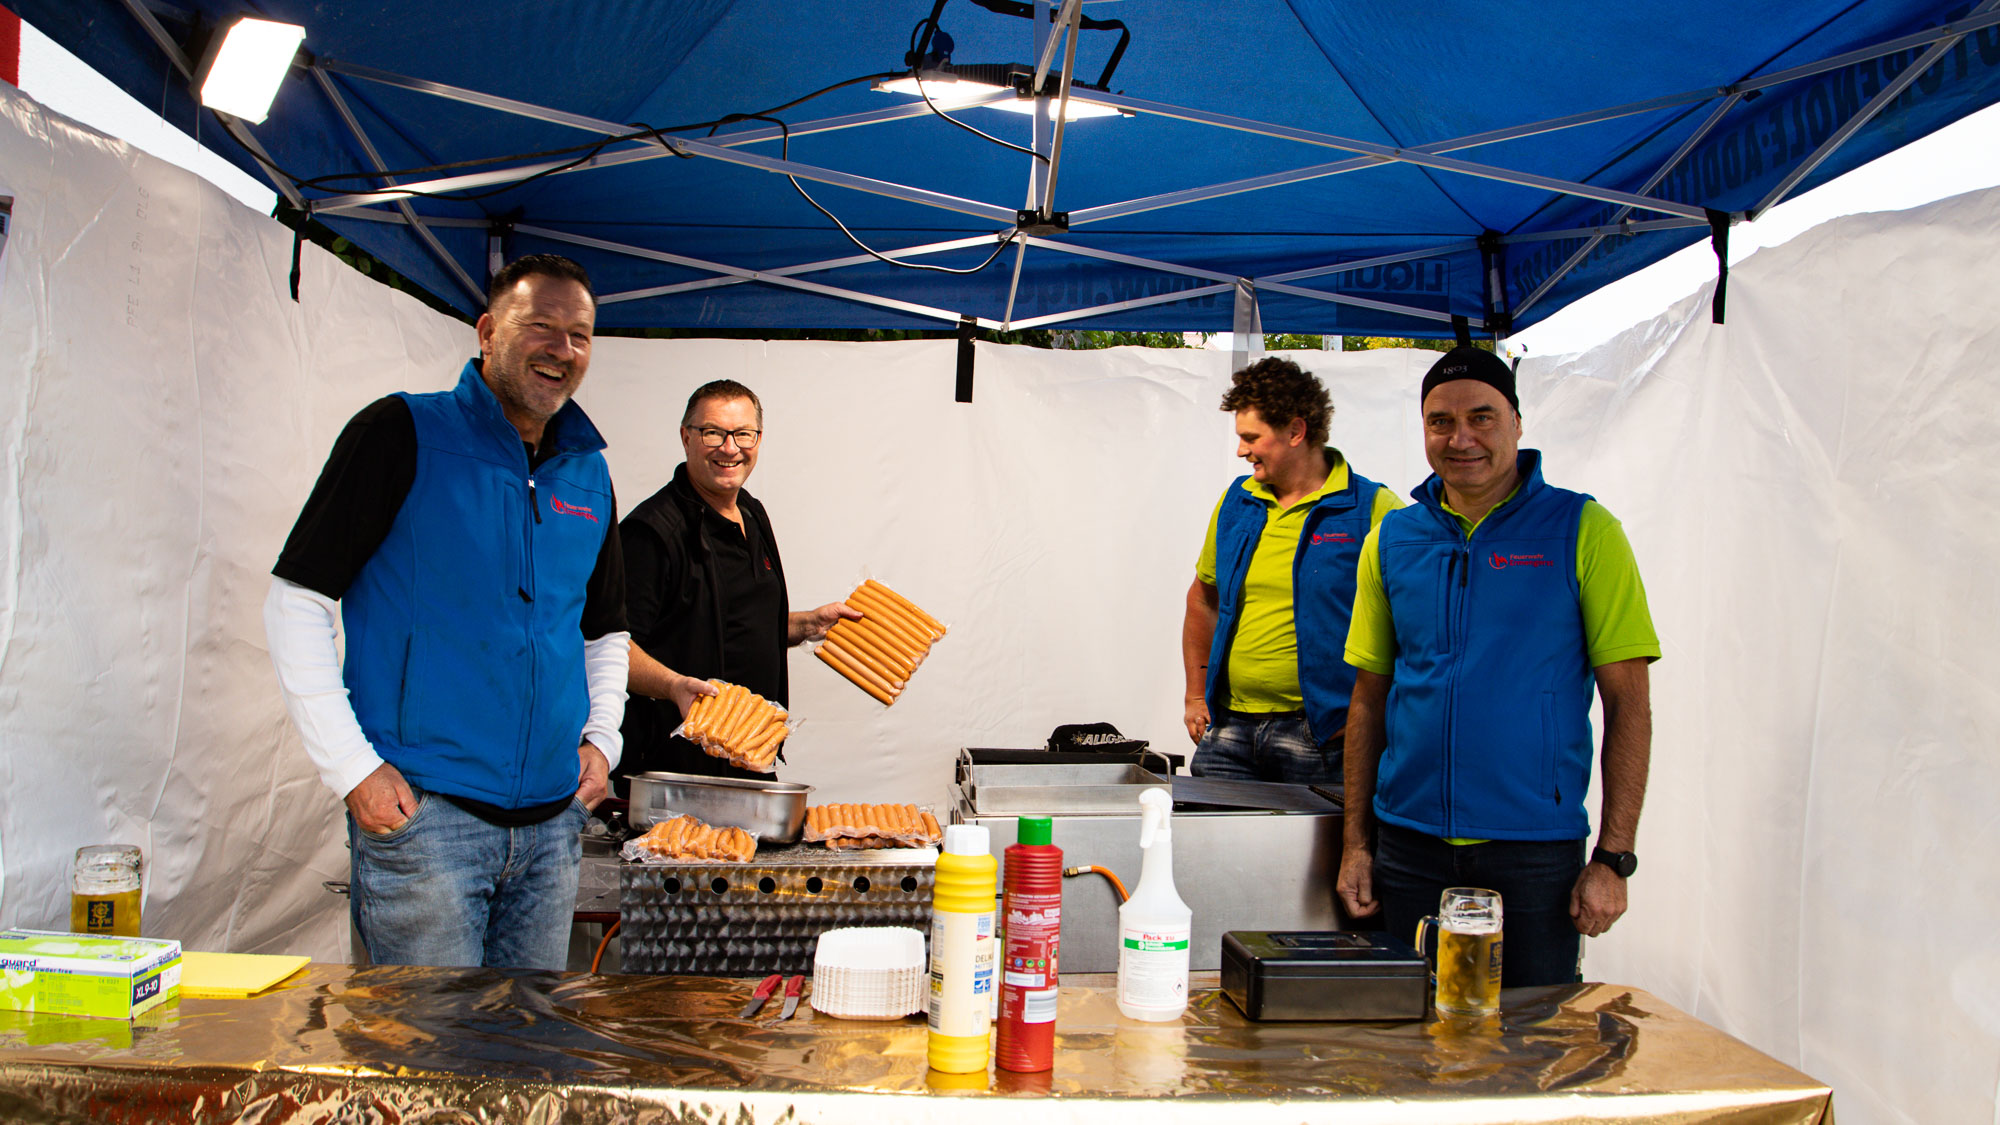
705	588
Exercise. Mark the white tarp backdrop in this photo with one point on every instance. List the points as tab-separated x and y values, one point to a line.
1807	490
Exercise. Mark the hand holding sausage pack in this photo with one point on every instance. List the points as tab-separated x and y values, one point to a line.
880	652
738	726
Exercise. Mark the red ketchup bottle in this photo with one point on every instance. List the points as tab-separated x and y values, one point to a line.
1031	904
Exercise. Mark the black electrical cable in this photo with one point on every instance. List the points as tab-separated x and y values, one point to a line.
786	153
641	131
918	44
975	132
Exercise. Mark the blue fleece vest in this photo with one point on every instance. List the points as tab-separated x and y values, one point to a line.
1322	593
1489	710
464	630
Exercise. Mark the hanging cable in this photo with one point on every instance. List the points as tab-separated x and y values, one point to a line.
640	131
1006	240
968	128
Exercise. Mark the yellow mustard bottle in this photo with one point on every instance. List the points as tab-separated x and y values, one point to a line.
963	952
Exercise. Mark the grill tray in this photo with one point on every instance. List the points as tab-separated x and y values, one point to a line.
765	916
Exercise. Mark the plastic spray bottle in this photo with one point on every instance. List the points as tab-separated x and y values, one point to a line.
1154	925
1031	903
962	952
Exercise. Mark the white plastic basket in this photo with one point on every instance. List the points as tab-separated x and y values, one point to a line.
869	973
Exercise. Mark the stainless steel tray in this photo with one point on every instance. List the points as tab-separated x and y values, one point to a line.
773	811
1066	789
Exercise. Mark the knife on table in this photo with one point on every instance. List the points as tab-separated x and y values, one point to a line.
763	992
792	989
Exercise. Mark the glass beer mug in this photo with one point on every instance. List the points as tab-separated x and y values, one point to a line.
104	891
1468	951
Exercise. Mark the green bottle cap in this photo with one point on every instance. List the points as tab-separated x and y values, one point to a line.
1035	830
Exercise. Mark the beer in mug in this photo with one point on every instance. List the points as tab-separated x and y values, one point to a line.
1468	951
104	891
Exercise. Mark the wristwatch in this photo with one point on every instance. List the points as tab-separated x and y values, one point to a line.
1624	863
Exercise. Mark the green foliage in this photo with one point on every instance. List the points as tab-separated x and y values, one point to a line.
1369	343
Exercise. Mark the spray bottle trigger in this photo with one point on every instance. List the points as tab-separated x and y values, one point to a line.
1155	806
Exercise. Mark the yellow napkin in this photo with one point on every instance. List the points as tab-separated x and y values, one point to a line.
227	975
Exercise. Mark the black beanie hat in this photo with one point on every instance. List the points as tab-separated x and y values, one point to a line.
1477	364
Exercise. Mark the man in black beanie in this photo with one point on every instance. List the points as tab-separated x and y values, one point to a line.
1485	614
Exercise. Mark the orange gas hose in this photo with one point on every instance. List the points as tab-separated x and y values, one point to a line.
604	943
1116	884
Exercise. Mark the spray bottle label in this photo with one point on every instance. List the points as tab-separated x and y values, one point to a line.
1153	966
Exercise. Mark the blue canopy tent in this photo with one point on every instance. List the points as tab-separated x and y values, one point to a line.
1343	166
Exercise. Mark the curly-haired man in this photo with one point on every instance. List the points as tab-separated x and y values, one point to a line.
1268	609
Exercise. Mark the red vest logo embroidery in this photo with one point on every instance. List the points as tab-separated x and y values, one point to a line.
563	509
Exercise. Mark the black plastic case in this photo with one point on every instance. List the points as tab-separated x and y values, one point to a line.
1324	975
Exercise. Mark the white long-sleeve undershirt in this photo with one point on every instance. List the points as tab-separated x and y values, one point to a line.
302	627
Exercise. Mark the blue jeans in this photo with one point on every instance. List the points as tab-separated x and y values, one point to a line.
1539	942
448	888
1241	746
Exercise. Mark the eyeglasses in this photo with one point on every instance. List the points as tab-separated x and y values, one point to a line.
711	437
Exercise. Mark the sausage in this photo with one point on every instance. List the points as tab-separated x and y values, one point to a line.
936	627
856	637
887	614
860	664
859	652
906	654
854	677
697	717
764	748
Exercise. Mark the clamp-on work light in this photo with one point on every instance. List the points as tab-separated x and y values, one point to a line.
243	67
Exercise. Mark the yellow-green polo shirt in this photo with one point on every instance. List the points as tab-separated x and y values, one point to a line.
1617	625
1264	654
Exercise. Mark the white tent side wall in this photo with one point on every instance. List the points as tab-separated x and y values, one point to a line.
1806	489
1809	489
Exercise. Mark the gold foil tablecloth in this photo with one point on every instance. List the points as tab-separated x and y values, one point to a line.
340	1043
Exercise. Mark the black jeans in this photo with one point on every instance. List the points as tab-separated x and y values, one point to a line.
1539	942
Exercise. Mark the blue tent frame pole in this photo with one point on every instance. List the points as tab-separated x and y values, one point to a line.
1607	230
1353	164
682	146
1226	284
1364	263
1393	154
1038	140
1945	36
669	146
801	268
1124	306
897	112
1865	114
1361	302
403	207
1072	8
749	275
1666	166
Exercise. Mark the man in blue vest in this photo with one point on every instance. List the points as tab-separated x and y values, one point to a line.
467	542
1267	611
1484	616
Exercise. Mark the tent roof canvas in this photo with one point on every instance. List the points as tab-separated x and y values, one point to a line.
1370	167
